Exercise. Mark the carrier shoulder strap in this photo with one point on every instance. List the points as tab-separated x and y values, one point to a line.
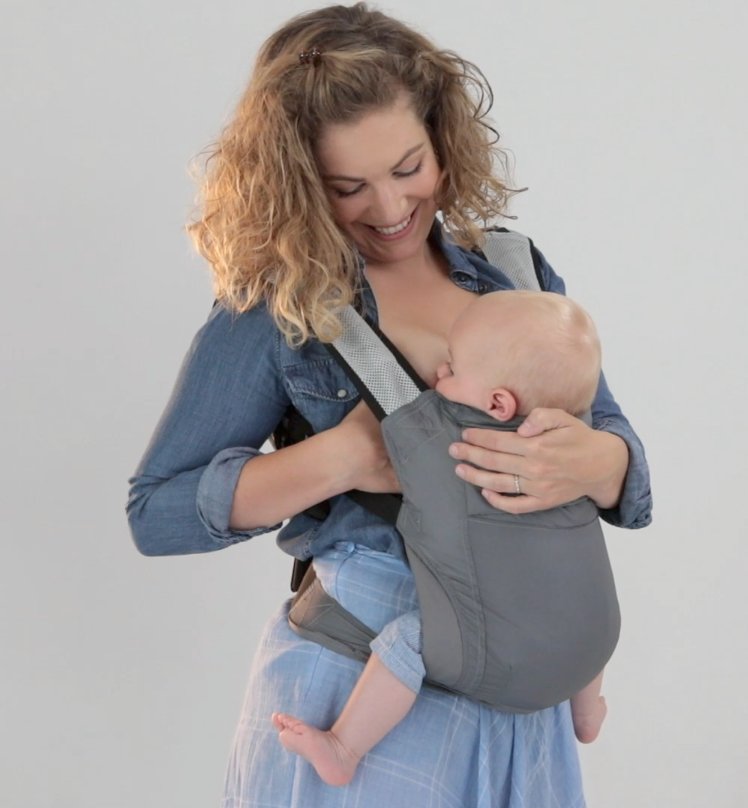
516	256
381	374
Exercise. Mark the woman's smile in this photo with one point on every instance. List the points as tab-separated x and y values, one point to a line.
398	231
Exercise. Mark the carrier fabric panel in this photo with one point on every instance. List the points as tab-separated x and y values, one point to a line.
519	612
549	621
510	252
432	523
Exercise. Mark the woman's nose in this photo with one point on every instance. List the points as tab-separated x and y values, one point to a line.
389	207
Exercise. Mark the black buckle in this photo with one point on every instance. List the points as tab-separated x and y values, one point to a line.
298	573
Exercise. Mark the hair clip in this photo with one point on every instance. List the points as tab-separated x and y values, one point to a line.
312	56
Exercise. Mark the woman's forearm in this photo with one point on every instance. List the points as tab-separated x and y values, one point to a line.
605	491
278	485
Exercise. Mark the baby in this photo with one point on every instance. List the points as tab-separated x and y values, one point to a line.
508	353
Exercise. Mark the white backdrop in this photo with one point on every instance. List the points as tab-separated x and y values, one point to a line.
123	675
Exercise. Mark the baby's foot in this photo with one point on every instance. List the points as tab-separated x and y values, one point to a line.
587	725
335	764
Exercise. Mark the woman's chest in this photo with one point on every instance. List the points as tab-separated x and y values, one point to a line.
418	319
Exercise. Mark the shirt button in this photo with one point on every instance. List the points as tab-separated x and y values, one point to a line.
482	288
342	393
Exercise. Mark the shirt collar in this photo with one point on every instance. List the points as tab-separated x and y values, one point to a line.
459	264
468	269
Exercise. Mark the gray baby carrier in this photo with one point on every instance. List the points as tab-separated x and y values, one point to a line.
518	612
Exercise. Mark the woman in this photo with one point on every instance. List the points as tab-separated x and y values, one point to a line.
323	189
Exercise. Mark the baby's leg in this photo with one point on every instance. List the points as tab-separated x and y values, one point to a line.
588	710
378	703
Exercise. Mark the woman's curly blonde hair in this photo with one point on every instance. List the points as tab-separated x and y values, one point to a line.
265	223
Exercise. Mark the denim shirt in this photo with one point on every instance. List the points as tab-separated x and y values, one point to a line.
235	384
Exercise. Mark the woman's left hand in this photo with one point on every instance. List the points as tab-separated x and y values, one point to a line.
556	457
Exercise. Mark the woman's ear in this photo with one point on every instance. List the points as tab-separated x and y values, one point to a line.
503	405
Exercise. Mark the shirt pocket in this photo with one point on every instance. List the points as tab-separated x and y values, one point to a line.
321	392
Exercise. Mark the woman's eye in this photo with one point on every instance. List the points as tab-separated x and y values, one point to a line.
410	173
343	194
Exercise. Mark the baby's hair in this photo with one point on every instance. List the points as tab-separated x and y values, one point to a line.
546	344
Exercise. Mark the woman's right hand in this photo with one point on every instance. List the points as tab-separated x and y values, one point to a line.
362	445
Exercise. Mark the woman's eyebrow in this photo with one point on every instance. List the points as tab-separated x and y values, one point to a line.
359	179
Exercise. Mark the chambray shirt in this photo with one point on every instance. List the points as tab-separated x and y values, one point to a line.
235	384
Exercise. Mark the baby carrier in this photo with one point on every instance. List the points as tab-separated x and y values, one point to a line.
518	612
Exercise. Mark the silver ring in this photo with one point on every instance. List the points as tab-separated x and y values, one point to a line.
516	484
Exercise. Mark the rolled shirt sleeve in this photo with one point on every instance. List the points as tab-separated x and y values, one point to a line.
634	509
215	495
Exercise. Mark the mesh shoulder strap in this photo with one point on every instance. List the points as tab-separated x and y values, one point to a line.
382	375
515	255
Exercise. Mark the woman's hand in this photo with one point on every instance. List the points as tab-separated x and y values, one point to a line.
361	445
556	456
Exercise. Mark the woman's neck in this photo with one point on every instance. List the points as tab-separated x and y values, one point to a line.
418	268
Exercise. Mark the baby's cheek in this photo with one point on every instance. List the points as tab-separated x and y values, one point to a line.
448	388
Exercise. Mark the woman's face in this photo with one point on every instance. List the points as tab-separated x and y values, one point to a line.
381	176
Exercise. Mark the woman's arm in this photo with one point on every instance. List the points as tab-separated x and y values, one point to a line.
558	458
276	486
203	483
228	397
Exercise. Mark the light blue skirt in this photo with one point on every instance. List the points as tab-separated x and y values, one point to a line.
448	752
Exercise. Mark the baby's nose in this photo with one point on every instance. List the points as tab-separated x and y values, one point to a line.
442	370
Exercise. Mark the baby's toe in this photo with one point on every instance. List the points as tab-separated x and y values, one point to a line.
280	720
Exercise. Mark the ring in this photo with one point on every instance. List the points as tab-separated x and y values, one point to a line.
516	483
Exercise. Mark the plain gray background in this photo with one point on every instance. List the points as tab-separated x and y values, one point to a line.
122	676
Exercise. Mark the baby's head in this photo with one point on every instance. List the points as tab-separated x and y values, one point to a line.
512	351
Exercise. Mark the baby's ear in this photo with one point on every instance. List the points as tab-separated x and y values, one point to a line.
503	405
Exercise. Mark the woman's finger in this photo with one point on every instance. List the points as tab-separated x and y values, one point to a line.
525	504
488	458
502	483
542	420
494	441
